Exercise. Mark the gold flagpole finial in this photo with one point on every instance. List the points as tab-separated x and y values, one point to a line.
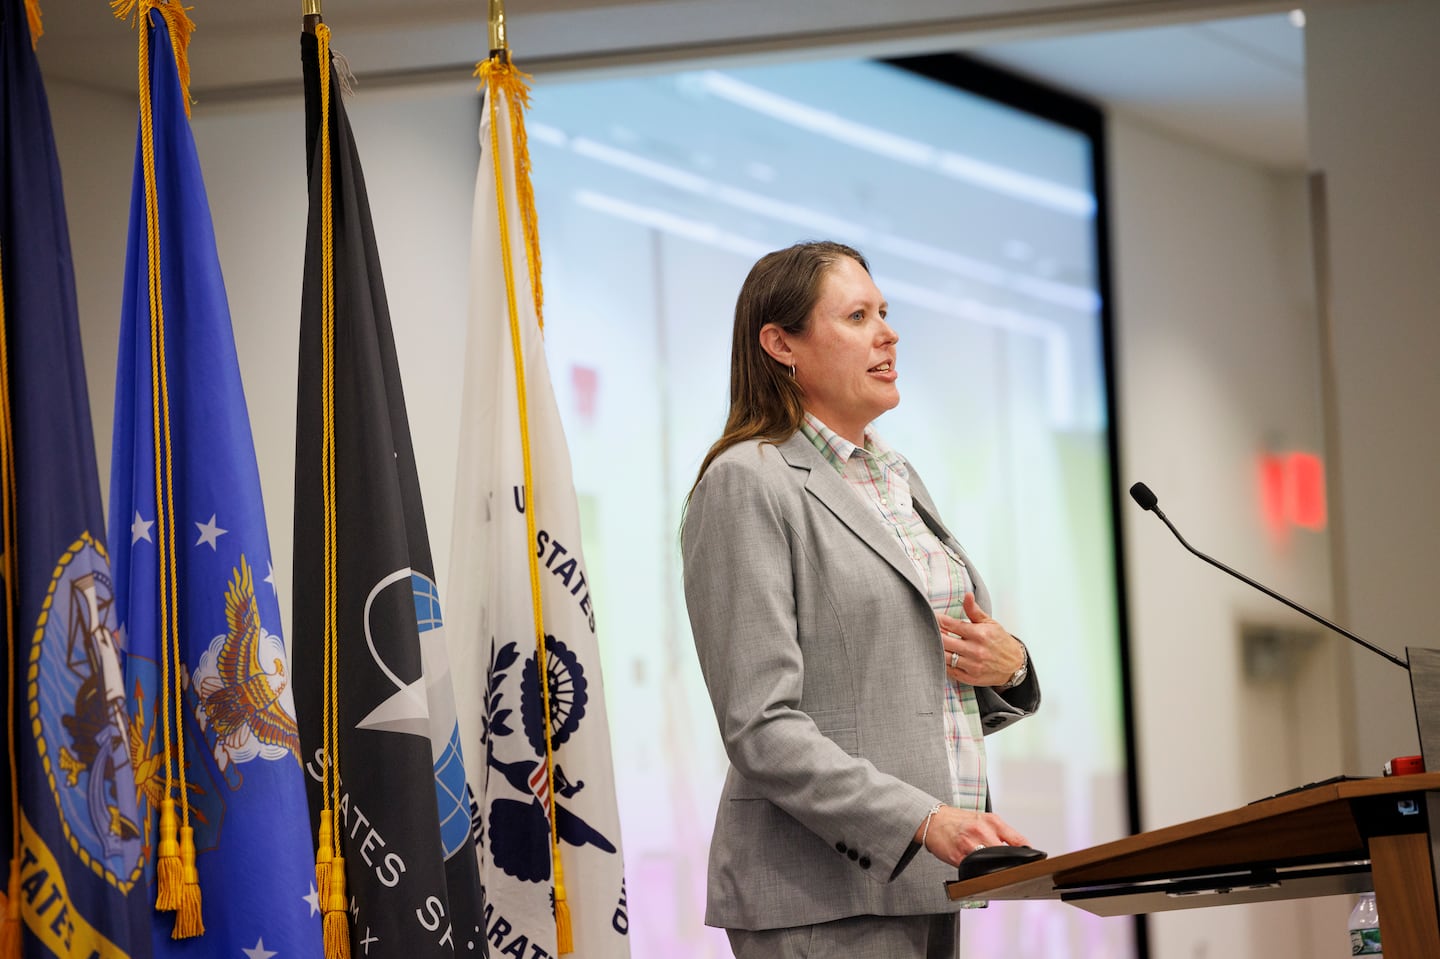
497	27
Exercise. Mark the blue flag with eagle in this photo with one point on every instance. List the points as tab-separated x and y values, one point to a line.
213	718
68	826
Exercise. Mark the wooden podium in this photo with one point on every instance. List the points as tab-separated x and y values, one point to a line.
1345	837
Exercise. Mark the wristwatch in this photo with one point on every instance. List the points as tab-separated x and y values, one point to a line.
1018	677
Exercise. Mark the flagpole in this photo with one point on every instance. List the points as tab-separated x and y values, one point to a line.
310	9
498	45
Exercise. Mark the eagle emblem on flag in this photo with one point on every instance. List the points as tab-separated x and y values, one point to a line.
242	683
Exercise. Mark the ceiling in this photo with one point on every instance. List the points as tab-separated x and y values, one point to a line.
1236	84
1213	73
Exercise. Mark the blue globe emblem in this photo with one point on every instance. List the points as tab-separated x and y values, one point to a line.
451	795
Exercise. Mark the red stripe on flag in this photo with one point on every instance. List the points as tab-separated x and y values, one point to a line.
540	785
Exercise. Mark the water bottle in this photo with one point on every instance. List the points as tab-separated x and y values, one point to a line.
1365	928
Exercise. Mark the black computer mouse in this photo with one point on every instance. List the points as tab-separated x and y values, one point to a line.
988	859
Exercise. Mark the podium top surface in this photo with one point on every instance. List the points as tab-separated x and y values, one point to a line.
1327	823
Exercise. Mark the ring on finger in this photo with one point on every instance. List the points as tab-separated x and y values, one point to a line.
954	660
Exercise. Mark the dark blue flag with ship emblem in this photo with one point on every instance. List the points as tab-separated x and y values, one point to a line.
400	808
213	717
69	827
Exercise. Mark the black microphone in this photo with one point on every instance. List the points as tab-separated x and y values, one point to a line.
1148	502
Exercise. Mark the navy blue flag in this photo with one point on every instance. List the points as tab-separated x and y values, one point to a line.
69	819
192	562
403	808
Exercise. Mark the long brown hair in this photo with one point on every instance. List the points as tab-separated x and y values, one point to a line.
782	288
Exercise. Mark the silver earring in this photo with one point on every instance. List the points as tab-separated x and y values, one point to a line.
792	371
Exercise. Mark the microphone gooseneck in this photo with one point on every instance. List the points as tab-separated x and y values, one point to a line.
1151	504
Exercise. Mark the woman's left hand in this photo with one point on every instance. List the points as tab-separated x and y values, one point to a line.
980	652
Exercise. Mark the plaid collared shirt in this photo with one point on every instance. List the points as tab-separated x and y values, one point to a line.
879	476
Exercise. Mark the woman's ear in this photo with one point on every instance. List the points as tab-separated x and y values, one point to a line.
776	342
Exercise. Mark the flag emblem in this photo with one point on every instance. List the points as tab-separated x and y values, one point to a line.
514	821
242	681
415	710
80	725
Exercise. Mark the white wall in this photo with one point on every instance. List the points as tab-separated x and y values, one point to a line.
1375	136
1217	364
95	141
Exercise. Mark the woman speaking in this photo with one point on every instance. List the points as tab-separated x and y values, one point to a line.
844	637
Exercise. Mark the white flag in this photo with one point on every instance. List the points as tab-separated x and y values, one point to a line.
500	525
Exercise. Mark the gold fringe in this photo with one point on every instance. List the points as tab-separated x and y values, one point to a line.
337	922
180	26
11	933
189	922
498	73
32	13
169	872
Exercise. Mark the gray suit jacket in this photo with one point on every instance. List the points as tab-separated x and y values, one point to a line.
823	661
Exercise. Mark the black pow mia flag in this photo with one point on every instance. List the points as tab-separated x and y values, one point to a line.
403	809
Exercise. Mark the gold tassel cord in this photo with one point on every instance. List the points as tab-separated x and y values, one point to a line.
501	79
188	919
12	924
324	845
169	874
177	878
324	854
336	924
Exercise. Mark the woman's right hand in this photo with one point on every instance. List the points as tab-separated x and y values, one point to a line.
954	833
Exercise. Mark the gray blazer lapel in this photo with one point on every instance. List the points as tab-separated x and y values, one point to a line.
826	485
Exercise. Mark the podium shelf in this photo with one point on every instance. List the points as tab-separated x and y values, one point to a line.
1316	842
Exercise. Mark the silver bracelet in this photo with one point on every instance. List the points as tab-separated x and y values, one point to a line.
928	816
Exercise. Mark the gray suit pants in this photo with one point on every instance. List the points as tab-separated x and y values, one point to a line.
857	937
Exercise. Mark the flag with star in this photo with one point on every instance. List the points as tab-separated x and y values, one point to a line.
212	727
69	825
392	813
